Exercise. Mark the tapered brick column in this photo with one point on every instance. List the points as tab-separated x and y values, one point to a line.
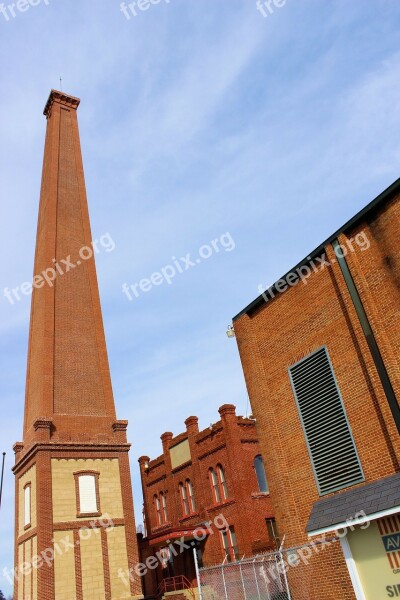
70	425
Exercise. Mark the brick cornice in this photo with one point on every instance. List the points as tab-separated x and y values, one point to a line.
207	433
161	528
94	523
154	481
220	505
211	451
183	466
190	517
69	450
60	98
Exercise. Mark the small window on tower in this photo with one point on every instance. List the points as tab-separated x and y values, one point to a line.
87	490
27	505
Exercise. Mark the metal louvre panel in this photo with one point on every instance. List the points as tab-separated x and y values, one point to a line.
329	439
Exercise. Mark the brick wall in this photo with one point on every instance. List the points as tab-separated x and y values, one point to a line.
232	443
69	406
299	321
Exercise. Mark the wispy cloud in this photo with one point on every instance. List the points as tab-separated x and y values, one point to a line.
197	118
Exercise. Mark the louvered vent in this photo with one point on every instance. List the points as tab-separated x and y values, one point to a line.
329	439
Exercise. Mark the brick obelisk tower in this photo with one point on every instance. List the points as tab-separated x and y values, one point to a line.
74	531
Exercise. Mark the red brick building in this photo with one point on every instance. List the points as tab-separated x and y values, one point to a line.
320	351
74	520
209	490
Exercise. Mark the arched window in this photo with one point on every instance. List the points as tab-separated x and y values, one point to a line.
215	486
157	506
218	484
222	482
187	497
260	472
190	494
164	507
184	499
229	544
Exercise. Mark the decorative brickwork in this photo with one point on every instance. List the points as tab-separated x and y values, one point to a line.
70	423
232	444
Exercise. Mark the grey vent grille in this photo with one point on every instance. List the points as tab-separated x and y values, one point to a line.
330	442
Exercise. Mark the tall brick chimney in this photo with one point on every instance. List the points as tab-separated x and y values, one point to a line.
73	465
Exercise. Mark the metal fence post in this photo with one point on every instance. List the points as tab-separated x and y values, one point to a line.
196	566
284	575
241	577
223	579
266	581
256	580
255	577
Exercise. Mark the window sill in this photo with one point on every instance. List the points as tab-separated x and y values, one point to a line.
26	527
163	527
221	504
88	515
260	495
188	517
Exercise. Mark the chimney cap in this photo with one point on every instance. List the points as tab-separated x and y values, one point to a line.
227	409
61	98
144	459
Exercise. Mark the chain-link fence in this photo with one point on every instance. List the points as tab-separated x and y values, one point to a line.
283	575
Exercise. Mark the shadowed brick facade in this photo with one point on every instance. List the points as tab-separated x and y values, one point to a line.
283	327
232	444
72	469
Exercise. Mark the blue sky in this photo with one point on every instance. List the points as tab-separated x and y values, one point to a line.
197	119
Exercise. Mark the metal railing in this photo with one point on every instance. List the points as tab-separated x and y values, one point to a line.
175	584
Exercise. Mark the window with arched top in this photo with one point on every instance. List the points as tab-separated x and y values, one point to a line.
190	494
184	499
157	506
229	544
164	507
260	472
222	482
187	497
215	486
218	484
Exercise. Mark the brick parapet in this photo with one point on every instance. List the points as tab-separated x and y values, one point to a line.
245	508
